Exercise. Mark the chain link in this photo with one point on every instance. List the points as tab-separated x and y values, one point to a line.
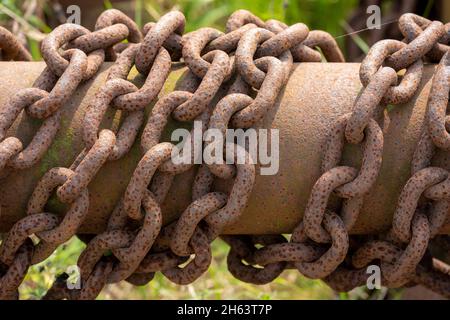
403	249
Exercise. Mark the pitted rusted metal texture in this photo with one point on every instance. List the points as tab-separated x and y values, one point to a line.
173	22
13	275
74	217
414	223
56	85
214	68
172	44
240	18
243	249
233	81
112	17
305	51
74	55
424	37
11	48
375	59
135	101
323	226
132	122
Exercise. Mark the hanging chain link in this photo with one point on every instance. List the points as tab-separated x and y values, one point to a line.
233	80
11	48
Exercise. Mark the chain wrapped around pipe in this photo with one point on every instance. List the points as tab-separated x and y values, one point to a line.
86	53
415	222
233	80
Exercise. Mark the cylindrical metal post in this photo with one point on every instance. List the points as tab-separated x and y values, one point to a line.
314	97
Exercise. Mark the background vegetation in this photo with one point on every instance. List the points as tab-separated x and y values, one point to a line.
216	283
32	19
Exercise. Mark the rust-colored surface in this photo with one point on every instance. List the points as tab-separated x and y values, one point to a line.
315	96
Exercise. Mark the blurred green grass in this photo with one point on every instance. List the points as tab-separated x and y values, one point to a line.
327	15
217	282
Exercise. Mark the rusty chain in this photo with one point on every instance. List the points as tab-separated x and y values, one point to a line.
233	80
11	48
423	203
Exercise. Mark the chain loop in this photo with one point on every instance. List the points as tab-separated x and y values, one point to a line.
142	176
400	272
173	44
11	48
367	102
172	22
194	44
88	167
96	110
371	162
334	256
409	197
159	71
267	94
190	219
131	256
206	91
240	18
242	248
22	230
64	88
233	80
112	17
12	276
438	105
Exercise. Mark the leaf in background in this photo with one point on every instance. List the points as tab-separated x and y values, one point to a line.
11	5
355	37
138	8
38	23
211	17
428	8
107	4
27	28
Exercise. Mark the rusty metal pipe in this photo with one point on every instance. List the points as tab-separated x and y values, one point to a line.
314	97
